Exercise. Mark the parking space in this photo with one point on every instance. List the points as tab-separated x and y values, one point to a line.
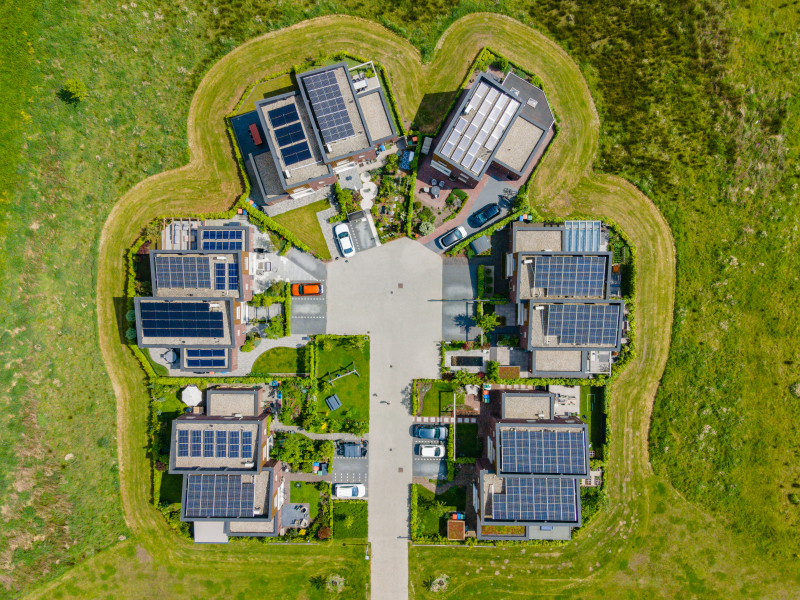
363	237
351	470
309	314
431	468
459	289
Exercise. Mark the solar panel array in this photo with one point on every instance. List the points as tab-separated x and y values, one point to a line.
329	106
181	320
219	496
196	443
208	444
205	362
182	272
183	442
582	236
221	239
222	444
283	116
563	276
289	135
543	452
219	276
536	499
205	353
584	324
247	444
233	444
233	276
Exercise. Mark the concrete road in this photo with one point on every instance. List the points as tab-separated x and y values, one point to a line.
404	324
459	288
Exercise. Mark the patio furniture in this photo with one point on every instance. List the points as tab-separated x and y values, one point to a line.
426	190
435	191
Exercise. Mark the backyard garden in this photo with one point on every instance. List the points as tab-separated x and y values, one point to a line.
432	510
433	212
438	397
350	519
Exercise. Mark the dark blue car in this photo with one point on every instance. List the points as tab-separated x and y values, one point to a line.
484	215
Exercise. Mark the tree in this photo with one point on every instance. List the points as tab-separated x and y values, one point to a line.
488	323
426	228
349	521
74	91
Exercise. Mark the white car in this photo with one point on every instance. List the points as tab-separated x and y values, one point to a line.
430	450
452	237
342	234
349	490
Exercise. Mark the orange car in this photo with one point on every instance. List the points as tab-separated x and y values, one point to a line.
307	289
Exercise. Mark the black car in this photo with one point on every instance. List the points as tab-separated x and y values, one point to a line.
484	215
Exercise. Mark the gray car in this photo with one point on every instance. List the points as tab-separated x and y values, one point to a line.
430	432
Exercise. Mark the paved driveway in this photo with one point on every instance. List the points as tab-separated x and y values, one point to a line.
351	470
459	289
496	190
308	314
404	324
430	468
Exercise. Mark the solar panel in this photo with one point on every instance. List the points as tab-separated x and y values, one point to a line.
576	276
247	445
205	353
289	134
183	442
219	496
584	324
223	234
233	276
222	444
205	363
208	444
196	443
182	271
283	115
536	499
460	125
219	276
541	452
181	320
295	154
233	444
329	106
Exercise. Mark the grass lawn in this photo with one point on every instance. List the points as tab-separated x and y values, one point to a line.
171	488
357	528
592	404
353	390
287	361
304	224
439	397
267	89
305	494
159	369
467	441
433	518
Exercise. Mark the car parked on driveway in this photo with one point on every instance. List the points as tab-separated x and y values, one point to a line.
342	234
452	237
307	289
484	215
430	450
349	490
430	432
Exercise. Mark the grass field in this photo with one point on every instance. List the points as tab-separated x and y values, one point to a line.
467	442
305	494
353	390
696	107
304	224
266	89
350	519
434	510
440	395
281	360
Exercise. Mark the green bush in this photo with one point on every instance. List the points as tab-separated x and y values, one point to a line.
426	228
131	333
130	316
74	91
493	370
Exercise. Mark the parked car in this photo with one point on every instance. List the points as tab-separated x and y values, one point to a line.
342	234
452	237
484	215
307	289
349	490
430	450
430	432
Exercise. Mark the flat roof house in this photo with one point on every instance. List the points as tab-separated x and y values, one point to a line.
198	304
570	314
531	478
231	486
505	125
326	125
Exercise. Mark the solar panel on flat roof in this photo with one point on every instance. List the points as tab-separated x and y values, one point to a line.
223	234
219	276
222	444
295	154
577	276
196	443
289	135
208	444
537	499
329	106
584	324
247	445
233	276
283	116
181	320
183	442
205	362
460	125
539	452
222	245
218	496
233	444
193	487
179	272
205	353
478	166
582	236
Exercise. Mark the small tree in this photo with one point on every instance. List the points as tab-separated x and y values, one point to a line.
488	323
131	334
493	370
74	91
130	316
324	533
349	521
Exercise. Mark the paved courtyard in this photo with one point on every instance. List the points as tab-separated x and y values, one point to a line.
394	294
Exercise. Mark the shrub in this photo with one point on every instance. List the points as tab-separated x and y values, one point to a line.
74	91
426	228
417	206
324	533
794	498
493	370
131	333
130	316
276	328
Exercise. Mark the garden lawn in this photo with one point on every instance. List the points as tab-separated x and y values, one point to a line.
432	401
467	441
433	518
286	361
357	509
267	89
352	390
159	369
304	224
307	493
